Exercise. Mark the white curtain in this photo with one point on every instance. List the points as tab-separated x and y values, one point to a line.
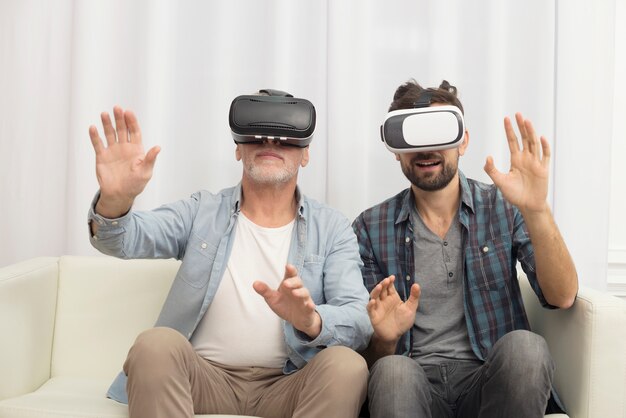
178	65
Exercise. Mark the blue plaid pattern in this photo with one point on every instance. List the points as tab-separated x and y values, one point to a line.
495	238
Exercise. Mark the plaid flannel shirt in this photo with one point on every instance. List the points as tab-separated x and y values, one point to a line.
495	238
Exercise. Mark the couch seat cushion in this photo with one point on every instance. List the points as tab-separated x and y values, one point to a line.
67	397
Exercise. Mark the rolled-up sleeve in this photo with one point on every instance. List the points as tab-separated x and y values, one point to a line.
159	233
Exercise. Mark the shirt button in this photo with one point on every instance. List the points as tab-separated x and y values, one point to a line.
445	243
114	223
203	246
408	278
407	239
450	274
485	249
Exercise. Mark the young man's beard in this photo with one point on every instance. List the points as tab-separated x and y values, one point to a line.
432	182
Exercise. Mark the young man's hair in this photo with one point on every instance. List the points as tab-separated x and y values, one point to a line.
410	92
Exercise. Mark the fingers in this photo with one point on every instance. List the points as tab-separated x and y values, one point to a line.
123	122
530	142
293	283
391	288
530	137
133	127
290	271
384	288
109	131
120	125
302	293
511	137
292	286
376	291
520	125
95	139
372	307
545	151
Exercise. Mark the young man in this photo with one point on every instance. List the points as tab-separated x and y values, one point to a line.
451	338
263	314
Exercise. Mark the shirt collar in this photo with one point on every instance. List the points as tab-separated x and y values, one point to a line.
408	200
466	195
235	200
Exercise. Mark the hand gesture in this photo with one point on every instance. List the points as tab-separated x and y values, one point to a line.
390	316
526	183
292	302
122	168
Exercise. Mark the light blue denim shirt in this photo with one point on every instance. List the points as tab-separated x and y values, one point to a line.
200	231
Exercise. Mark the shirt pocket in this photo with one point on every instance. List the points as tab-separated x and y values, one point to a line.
312	276
488	265
198	260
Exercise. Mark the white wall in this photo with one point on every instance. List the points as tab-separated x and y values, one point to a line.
584	128
616	282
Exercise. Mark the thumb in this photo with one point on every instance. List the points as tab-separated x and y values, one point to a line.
492	171
413	300
262	289
151	156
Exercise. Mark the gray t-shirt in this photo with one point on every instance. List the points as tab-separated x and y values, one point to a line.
440	331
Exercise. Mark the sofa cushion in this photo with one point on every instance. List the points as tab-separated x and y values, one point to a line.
96	295
68	397
65	397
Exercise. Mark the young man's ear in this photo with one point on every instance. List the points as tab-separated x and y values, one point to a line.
465	143
237	152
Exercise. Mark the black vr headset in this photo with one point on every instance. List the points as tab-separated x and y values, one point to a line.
279	116
423	128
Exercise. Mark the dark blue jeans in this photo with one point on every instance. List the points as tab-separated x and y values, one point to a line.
514	381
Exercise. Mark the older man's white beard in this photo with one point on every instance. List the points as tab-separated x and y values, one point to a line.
276	177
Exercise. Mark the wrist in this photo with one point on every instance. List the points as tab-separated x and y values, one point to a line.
314	330
536	214
113	207
383	345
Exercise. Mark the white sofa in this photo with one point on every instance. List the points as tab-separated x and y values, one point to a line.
67	323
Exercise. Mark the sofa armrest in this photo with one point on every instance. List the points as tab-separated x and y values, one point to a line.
588	345
28	295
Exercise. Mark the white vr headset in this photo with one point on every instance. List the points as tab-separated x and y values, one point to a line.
423	128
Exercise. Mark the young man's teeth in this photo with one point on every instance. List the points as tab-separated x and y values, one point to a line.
427	164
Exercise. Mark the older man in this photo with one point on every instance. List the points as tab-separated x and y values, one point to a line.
263	314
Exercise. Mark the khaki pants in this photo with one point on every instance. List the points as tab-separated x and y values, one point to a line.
167	378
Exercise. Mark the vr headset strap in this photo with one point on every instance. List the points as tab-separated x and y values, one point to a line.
273	92
424	100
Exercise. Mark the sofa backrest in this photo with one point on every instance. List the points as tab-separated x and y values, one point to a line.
103	304
28	296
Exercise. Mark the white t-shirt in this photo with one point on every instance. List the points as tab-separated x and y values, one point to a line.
239	328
